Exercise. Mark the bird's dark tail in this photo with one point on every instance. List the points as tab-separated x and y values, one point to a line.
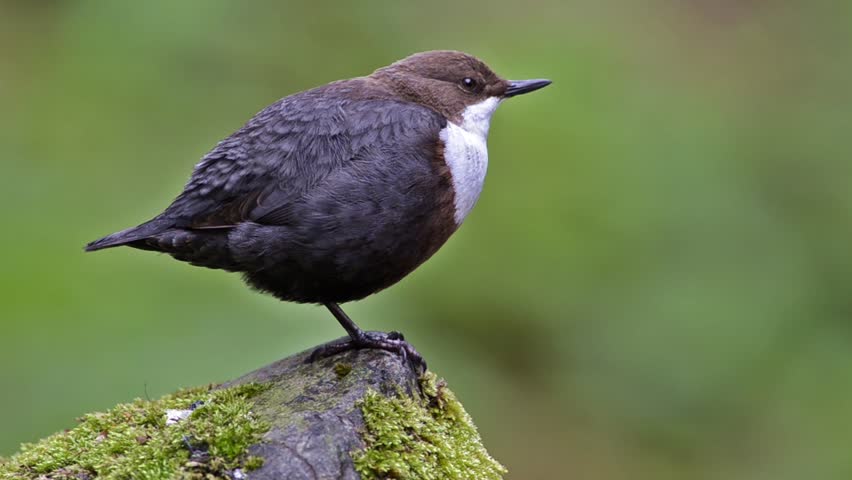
130	235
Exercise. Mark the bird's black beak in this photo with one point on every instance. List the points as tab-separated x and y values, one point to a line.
517	87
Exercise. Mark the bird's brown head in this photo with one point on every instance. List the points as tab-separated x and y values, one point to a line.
450	82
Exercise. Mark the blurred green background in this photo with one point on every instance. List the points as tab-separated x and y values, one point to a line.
654	284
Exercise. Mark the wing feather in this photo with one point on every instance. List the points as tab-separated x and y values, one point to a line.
289	148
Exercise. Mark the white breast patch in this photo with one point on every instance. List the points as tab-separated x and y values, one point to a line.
466	153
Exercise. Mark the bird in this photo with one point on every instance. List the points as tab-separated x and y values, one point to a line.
335	193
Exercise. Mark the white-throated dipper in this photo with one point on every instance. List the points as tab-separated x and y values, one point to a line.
335	193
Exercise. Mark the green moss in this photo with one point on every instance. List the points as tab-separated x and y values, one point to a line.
342	369
427	438
133	440
253	463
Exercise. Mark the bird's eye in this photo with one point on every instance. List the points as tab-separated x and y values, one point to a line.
469	83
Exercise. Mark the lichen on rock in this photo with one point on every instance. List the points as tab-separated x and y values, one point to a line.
430	437
136	440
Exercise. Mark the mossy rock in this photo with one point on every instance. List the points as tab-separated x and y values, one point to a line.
357	415
200	433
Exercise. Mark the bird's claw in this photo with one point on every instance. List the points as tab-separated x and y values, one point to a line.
391	342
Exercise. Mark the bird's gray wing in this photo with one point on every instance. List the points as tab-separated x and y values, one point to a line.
288	149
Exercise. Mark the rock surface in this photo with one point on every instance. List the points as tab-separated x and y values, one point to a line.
357	415
313	410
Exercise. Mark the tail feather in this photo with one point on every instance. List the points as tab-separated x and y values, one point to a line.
204	248
130	235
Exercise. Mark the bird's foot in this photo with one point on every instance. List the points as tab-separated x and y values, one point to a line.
389	341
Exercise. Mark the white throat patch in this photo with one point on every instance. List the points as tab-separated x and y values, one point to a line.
466	153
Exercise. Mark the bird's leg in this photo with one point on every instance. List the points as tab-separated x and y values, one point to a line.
392	342
353	330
